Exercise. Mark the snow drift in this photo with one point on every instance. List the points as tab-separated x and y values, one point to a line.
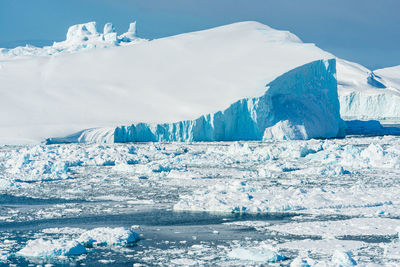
300	104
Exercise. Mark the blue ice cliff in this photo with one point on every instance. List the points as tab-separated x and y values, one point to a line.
300	104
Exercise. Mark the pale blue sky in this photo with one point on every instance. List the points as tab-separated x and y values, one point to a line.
364	31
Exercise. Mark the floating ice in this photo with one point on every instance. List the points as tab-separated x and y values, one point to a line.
391	250
236	196
41	248
343	258
352	227
4	255
105	236
323	246
302	262
258	254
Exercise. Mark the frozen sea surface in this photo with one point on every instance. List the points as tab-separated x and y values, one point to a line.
318	202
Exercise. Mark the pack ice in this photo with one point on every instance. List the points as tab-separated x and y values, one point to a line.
178	78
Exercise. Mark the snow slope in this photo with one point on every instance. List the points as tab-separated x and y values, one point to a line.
300	104
391	76
161	81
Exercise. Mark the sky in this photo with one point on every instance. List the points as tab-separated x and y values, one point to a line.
363	31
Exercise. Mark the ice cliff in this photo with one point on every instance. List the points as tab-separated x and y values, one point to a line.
368	95
300	104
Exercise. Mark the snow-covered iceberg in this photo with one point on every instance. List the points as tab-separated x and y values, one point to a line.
55	91
105	236
40	248
300	104
170	79
368	95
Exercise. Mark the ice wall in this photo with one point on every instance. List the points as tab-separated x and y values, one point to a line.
300	104
361	105
368	95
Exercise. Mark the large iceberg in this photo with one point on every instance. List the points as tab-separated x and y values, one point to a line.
300	104
55	91
368	95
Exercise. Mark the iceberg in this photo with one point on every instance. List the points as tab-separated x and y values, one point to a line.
171	79
106	236
300	104
368	95
41	248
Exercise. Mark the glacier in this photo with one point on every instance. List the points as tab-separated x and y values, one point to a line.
301	104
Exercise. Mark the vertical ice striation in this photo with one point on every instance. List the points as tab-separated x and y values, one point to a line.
301	104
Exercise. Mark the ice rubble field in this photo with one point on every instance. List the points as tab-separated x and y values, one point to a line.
294	202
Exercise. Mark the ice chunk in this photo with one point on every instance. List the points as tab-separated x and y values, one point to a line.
262	254
80	37
4	255
108	28
81	32
302	262
391	250
41	248
105	236
130	34
343	258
